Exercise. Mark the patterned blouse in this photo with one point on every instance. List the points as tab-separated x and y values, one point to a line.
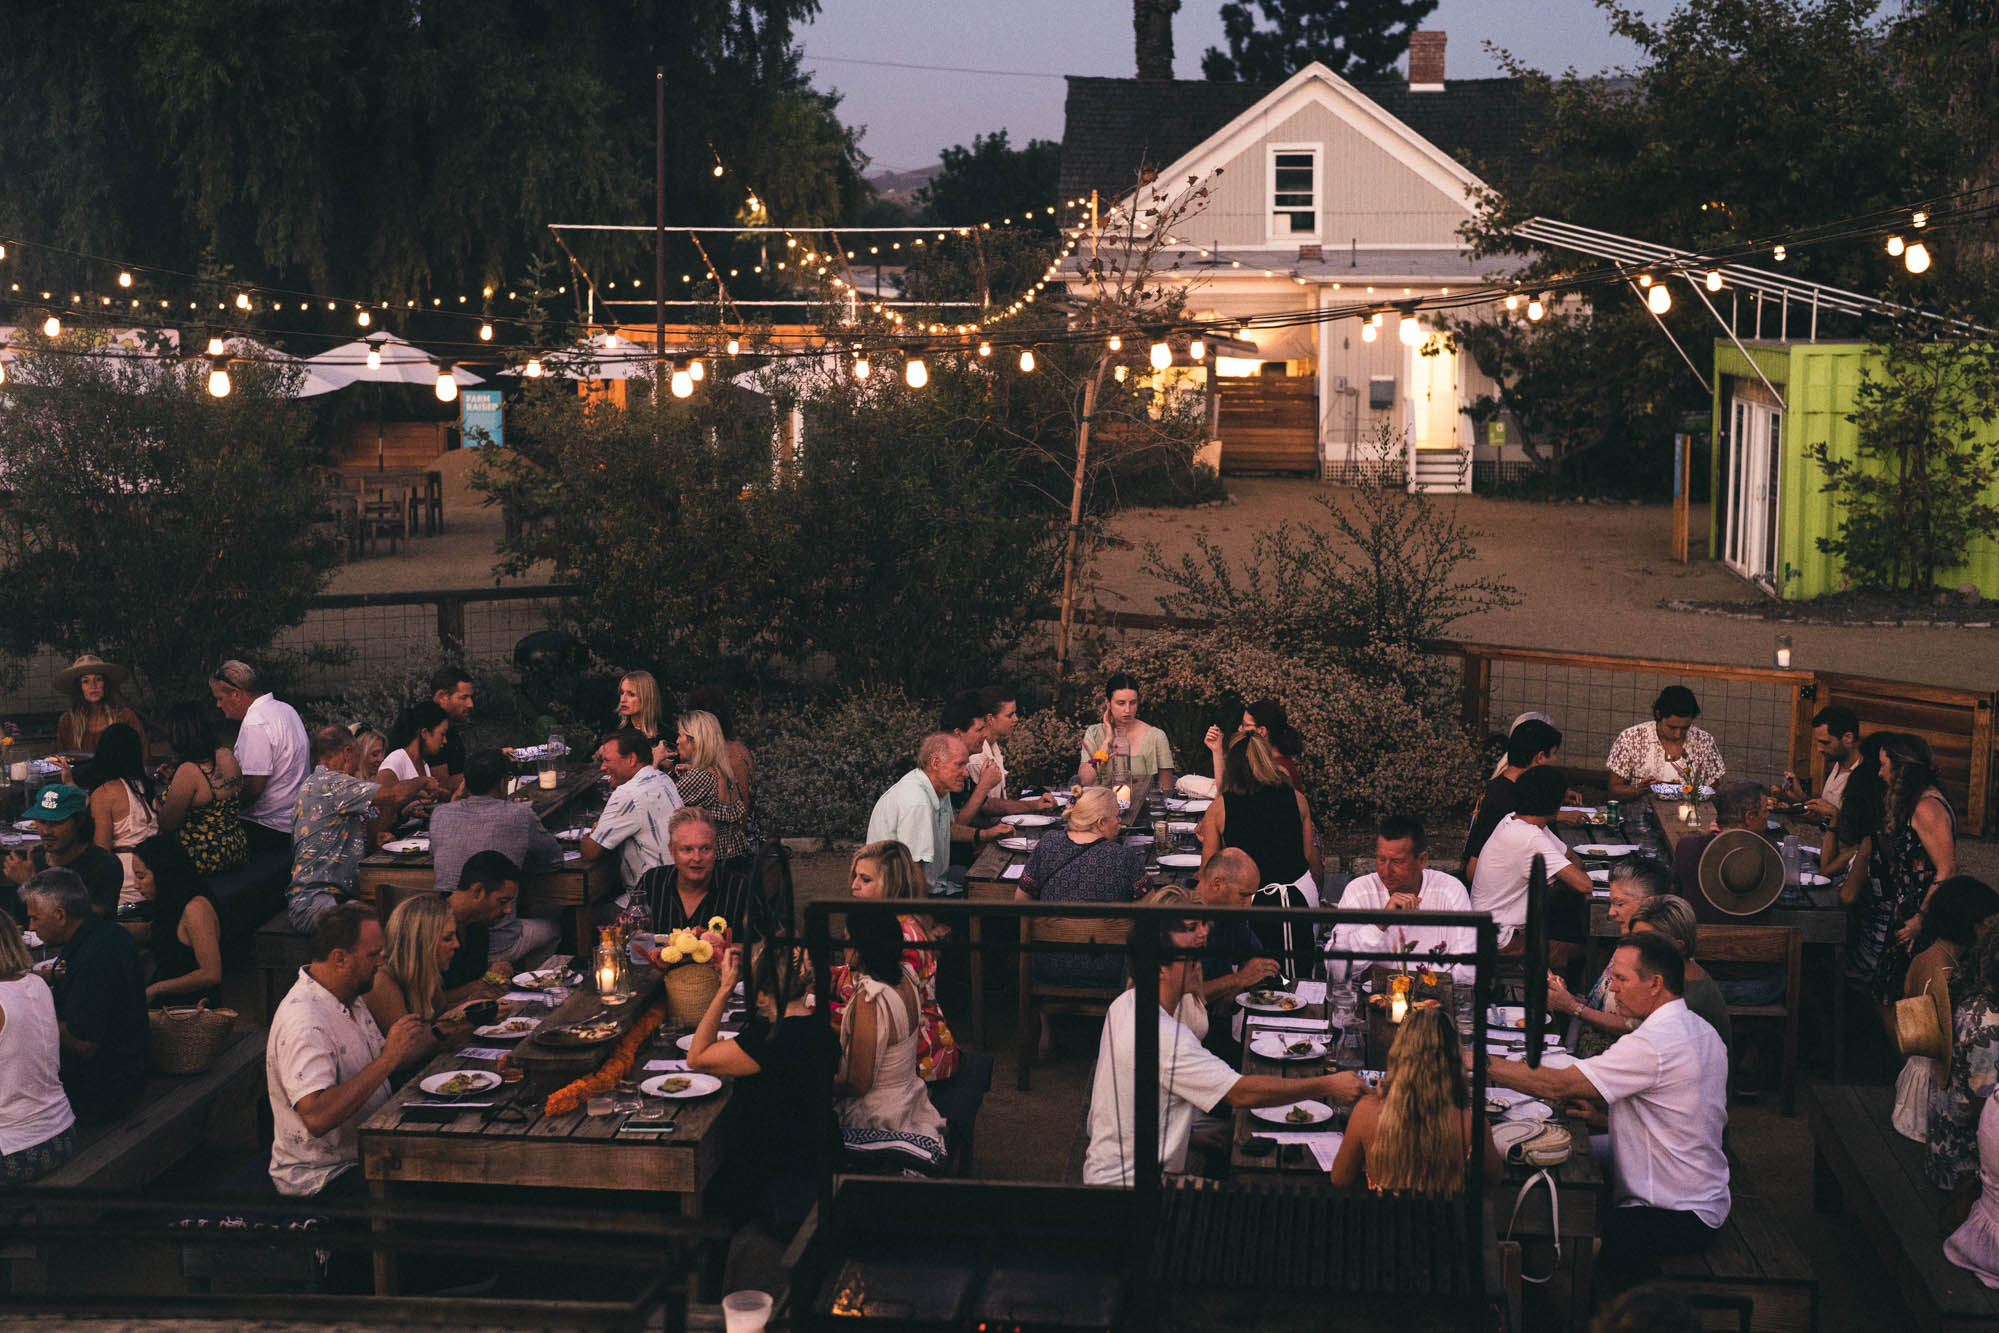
1637	756
1974	1075
701	787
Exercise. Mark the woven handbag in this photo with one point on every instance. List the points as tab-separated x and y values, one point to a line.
186	1041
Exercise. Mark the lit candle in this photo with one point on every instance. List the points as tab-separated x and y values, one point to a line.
1398	1008
1783	650
607	978
546	776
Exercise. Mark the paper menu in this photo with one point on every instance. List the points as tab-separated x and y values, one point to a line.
1014	871
1325	1146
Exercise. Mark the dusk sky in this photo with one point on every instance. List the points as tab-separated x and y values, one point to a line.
911	114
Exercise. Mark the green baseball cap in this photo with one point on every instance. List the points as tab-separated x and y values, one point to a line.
56	802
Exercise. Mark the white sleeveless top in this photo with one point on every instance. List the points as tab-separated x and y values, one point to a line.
33	1106
897	1100
137	824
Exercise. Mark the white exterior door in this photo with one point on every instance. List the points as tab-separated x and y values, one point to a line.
1433	387
1749	491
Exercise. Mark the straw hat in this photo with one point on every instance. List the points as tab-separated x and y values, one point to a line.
90	664
1740	873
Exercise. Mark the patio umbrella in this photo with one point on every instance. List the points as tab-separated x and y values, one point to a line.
400	363
601	356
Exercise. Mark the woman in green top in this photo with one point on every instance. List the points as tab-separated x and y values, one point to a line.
1122	734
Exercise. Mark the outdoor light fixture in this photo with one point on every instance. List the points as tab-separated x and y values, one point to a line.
1197	349
696	371
861	367
682	384
1896	245
1659	300
1778	253
1162	356
734	346
52	327
1919	219
242	300
1535	309
1116	343
485	333
218	378
447	384
215	347
1644	279
1367	332
915	374
3	372
374	358
1917	258
1714	279
533	368
124	280
1512	301
1026	357
1118	373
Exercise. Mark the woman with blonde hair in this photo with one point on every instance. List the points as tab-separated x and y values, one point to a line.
1413	1135
639	709
1259	811
707	778
420	942
886	870
1083	864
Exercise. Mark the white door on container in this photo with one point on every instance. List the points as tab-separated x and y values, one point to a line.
1749	521
1433	385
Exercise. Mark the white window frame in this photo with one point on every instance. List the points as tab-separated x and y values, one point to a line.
1282	233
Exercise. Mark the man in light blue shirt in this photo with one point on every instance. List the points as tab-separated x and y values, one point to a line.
634	820
916	811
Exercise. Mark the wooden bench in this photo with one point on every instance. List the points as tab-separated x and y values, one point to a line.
1752	1262
177	1116
279	950
1778	946
1862	1165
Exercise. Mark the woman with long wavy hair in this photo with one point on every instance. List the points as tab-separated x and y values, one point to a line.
1916	852
885	870
1411	1135
639	708
707	777
419	943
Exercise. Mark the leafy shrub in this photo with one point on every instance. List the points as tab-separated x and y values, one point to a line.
821	765
1043	749
1368	751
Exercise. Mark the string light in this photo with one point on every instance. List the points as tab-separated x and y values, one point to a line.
242	300
485	333
696	371
861	367
1410	332
1512	300
216	347
1896	245
3	372
447	384
1778	254
1116	343
1162	356
985	349
124	279
1659	300
1919	219
218	378
52	327
1917	258
1367	333
364	319
1118	372
1026	357
1535	309
1197	349
915	374
1714	279
533	368
734	346
374	358
682	384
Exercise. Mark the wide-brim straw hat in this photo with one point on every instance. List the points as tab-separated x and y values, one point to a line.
90	664
1741	873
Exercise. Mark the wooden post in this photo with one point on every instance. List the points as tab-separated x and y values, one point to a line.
1804	703
1979	800
1069	550
1683	472
451	625
1475	701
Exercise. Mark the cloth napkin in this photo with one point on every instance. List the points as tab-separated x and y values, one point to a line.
1325	1145
1291	1024
1014	871
666	1066
1311	992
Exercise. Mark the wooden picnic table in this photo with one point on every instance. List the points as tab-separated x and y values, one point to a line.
1579	1181
1814	910
571	889
512	1145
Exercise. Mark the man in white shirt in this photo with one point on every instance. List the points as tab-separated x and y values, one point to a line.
916	811
1191	1080
1499	887
326	1064
272	750
1666	1083
1836	736
1403	882
634	822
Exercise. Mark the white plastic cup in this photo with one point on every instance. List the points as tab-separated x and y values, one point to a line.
746	1311
20	771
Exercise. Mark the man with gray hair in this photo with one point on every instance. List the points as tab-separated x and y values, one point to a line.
100	997
916	811
272	749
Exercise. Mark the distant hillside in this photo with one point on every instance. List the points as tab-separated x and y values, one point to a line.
900	187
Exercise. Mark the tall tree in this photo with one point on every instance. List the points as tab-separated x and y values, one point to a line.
1360	39
1152	33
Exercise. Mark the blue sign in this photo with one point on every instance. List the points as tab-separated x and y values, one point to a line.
479	411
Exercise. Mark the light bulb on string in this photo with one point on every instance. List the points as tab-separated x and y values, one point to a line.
1919	219
485	333
682	384
1118	373
1917	258
696	371
374	358
734	346
1197	349
1410	332
1659	300
1162	356
1535	309
1027	358
447	384
3	372
218	379
1512	301
242	300
1714	279
1644	279
915	374
1116	343
216	347
985	349
1896	245
124	279
533	368
1779	254
1368	333
52	327
861	367
364	319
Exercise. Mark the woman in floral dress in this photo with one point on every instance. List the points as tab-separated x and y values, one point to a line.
1918	851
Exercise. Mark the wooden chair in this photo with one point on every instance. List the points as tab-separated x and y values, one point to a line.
1781	946
1038	999
433	503
385	515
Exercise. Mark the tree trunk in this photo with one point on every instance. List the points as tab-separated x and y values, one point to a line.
1072	546
1152	31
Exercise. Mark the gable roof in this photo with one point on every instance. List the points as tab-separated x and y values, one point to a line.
1114	127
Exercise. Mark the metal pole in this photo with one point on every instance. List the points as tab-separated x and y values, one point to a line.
659	230
1145	1163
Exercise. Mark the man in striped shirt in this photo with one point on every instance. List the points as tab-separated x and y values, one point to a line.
691	891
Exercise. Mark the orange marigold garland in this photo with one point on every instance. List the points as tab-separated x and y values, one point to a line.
571	1096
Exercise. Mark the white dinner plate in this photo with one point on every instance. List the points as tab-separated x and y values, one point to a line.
1017	844
1319	1112
1507	1097
25	826
1030	821
517	1026
1528	1110
1278	1003
686	1042
1506	1016
1813	878
402	845
1556	1059
484	1080
548	979
1181	859
1606	849
696	1085
1276	1046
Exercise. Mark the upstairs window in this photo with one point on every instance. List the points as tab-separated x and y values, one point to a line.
1294	192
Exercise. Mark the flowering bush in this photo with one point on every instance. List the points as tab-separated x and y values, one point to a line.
821	765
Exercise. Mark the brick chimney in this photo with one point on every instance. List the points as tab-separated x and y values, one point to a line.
1426	62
